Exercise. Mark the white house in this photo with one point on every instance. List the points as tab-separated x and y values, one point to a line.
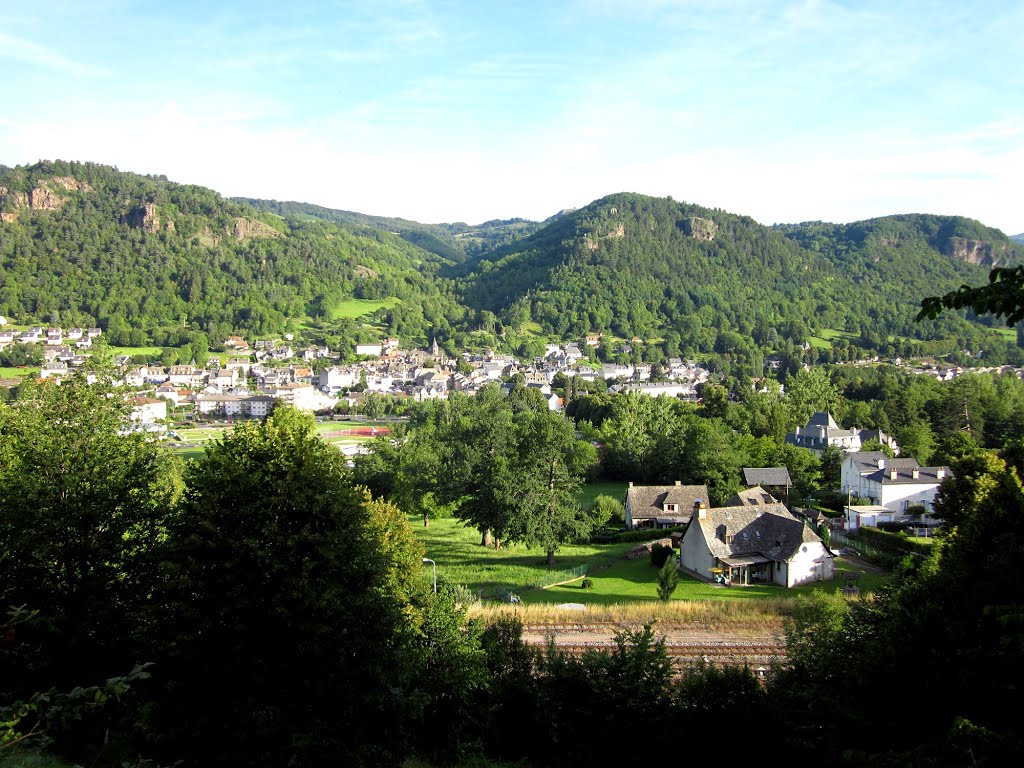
682	389
754	544
335	378
54	369
370	349
148	410
822	431
869	516
895	484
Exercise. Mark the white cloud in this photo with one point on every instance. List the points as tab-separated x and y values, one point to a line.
28	52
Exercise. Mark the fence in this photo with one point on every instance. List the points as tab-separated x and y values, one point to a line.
865	550
556	577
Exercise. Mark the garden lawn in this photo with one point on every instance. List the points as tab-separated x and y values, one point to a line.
629	580
15	373
188	453
460	558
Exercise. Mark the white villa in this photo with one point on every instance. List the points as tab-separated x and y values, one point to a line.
765	543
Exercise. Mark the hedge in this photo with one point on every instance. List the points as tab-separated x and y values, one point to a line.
641	534
891	542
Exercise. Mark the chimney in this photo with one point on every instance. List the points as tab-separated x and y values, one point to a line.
679	482
915	473
630	483
892	473
700	509
881	462
940	473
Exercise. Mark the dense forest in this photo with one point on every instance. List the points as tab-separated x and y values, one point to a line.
259	608
455	242
146	259
153	262
703	282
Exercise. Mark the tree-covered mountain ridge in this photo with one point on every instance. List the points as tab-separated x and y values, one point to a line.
638	266
454	241
86	244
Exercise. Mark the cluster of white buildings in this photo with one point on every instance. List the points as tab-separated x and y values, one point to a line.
63	350
249	379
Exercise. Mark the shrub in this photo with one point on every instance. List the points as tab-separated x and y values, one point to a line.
659	554
894	527
587	583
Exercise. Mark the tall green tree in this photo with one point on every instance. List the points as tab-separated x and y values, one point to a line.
811	390
82	507
548	468
291	618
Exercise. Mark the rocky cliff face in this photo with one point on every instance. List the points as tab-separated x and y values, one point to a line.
147	218
49	195
700	229
978	252
245	228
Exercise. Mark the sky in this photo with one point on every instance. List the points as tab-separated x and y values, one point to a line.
469	111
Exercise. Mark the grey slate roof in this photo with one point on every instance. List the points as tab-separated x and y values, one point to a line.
822	419
766	476
752	497
867	461
770	530
647	501
926	475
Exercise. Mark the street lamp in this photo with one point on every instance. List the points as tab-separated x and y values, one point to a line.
428	560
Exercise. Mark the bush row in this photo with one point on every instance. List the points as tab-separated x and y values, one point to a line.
606	536
893	543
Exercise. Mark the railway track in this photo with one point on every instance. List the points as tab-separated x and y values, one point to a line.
755	647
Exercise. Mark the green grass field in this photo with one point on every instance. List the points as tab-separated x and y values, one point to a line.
149	351
460	558
193	439
828	335
1008	334
353	308
16	373
630	580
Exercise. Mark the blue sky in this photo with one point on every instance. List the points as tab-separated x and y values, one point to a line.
466	111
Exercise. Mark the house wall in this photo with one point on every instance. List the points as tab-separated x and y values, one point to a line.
810	562
781	574
899	496
693	551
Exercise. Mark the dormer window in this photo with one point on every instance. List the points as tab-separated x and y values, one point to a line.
670	507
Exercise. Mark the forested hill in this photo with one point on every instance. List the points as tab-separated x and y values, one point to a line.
154	262
85	244
455	241
709	281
